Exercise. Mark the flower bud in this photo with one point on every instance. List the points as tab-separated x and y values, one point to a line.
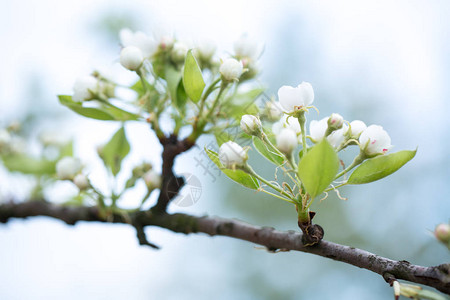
231	69
131	58
335	121
317	129
231	155
287	140
356	128
85	88
374	141
245	47
273	111
138	39
296	98
68	168
179	52
152	180
205	50
81	181
337	137
5	138
442	233
251	125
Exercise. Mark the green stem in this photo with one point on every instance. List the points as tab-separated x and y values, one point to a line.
249	170
143	81
359	159
302	120
216	101
279	197
149	191
210	89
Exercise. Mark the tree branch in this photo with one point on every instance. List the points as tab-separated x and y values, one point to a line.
437	277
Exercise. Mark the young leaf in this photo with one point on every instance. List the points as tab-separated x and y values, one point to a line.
238	176
88	112
173	78
192	78
318	168
29	165
380	167
264	150
115	151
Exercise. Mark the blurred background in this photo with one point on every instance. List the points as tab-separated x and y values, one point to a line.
382	62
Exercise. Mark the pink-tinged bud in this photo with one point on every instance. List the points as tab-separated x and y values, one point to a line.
374	141
442	233
335	121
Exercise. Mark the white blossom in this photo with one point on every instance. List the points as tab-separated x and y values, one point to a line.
374	140
84	88
294	98
179	51
138	39
251	124
231	69
131	58
337	137
205	49
152	179
5	137
231	154
287	122
68	168
246	47
356	128
317	129
287	140
273	110
81	181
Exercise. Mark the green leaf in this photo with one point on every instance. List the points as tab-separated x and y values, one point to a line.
318	168
192	78
173	78
88	112
264	150
29	165
238	176
115	151
120	114
380	167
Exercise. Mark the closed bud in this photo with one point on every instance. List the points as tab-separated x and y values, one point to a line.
335	121
67	168
81	181
251	125
317	129
231	69
287	140
232	155
85	88
152	180
131	58
356	128
442	233
179	52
